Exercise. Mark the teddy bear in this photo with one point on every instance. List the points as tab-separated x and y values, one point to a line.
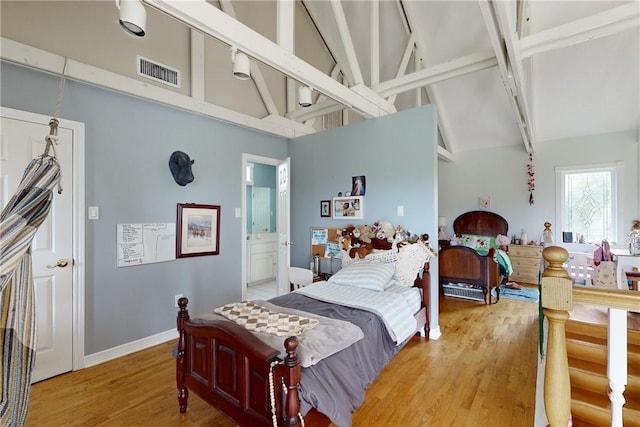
362	250
385	230
365	233
382	235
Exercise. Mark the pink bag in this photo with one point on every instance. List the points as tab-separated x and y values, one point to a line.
603	253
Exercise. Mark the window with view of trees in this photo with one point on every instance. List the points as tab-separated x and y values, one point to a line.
588	202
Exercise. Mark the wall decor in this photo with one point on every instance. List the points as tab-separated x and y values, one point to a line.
348	207
358	185
325	208
197	231
180	166
484	202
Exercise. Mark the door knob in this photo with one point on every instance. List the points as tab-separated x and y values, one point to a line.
60	263
287	243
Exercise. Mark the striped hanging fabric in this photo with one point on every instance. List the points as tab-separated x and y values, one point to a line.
20	219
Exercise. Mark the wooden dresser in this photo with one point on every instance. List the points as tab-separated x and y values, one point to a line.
525	261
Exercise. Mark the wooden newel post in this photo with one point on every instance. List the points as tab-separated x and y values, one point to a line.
557	300
292	379
183	392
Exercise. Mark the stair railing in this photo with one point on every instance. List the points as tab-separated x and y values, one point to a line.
557	297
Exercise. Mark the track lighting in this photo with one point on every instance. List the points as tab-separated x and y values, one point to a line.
241	65
133	16
304	96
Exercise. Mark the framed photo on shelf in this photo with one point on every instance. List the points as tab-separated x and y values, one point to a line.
325	208
197	230
348	207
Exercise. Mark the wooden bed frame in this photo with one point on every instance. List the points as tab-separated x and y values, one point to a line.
228	367
460	264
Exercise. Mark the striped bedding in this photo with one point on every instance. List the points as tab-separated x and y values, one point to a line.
392	307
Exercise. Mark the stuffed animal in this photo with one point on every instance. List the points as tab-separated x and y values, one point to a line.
365	233
401	234
362	250
385	231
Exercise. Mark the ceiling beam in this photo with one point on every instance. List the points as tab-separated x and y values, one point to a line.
602	24
504	26
502	57
404	62
215	23
347	42
32	57
447	70
414	29
374	26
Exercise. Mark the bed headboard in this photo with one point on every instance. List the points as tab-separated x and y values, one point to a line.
482	223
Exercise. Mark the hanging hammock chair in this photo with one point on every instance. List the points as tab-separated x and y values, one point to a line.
22	216
19	222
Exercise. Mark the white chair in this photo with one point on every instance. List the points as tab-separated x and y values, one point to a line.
300	277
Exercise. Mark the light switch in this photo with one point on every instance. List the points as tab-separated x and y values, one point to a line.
94	212
238	212
400	210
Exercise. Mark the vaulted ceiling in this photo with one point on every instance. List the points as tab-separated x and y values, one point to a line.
499	72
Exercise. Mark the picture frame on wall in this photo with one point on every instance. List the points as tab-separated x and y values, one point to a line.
325	208
348	207
197	230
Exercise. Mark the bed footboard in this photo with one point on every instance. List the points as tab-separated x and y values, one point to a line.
229	368
459	264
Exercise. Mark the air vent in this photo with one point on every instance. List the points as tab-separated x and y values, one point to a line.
158	72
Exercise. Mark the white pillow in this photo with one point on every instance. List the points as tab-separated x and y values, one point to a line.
374	276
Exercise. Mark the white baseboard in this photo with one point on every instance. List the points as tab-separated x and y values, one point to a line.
132	347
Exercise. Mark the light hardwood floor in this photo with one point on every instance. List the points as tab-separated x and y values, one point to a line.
481	372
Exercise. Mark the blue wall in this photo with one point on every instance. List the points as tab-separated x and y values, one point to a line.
128	144
398	156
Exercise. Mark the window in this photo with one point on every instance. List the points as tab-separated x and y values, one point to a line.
587	201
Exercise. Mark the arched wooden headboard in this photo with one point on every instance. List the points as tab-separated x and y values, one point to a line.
482	223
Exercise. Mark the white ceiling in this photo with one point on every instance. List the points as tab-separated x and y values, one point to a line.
500	72
574	90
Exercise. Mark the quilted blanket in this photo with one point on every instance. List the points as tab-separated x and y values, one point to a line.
257	318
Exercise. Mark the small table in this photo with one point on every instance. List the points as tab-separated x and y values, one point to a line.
624	261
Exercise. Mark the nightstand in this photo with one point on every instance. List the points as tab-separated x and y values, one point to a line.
525	260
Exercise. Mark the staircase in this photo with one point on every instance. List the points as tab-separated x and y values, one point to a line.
587	355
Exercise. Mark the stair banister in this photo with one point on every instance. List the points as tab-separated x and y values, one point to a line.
617	362
557	300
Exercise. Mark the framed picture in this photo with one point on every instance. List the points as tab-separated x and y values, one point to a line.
348	207
325	208
358	184
197	230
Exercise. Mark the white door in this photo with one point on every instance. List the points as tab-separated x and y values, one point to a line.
21	141
284	244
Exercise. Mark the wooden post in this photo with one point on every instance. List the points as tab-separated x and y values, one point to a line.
183	392
557	300
292	379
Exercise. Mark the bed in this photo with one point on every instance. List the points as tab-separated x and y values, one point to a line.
258	383
466	265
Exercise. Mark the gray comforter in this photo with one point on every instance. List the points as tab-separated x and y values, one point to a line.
336	385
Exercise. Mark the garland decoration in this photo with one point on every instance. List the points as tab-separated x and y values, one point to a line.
531	178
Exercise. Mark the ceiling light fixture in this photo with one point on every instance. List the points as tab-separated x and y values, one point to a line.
241	65
304	96
133	16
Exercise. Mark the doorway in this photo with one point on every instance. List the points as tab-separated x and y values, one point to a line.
58	286
261	254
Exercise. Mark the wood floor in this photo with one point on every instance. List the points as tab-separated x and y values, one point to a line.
481	372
